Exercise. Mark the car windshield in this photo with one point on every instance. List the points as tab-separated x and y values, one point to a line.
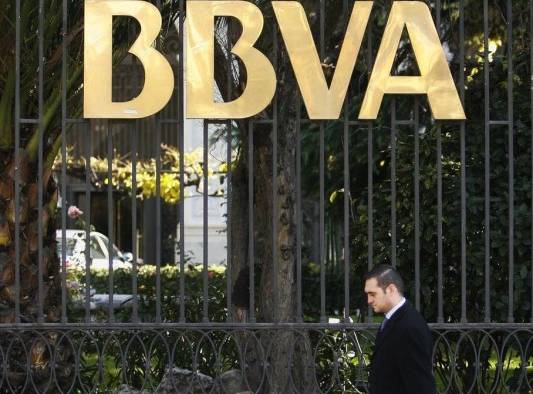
96	249
117	254
71	243
75	245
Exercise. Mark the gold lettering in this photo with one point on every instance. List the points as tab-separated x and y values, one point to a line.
158	77
435	78
261	79
321	102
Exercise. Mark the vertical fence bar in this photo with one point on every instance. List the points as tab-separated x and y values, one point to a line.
40	317
134	149
158	211
322	185
134	157
393	181
229	84
229	278
417	205
88	258
439	215
370	176
158	220
181	137
275	186
531	147
64	69
322	229
205	311
438	9
439	190
346	145
17	161
299	214
487	161
251	238
510	317
440	317
110	224
346	215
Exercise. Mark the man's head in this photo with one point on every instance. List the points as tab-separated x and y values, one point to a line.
383	287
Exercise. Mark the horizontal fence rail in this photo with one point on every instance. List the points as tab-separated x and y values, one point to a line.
221	360
242	243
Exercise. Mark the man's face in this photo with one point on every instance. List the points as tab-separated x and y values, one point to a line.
378	299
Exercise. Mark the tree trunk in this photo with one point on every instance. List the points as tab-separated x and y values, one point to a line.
277	345
288	362
38	357
28	216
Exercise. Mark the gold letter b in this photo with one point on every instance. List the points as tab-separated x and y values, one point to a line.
158	78
260	76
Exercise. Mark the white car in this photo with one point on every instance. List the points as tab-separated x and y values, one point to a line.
99	252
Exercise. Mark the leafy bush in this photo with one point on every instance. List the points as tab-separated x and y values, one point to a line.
169	291
193	292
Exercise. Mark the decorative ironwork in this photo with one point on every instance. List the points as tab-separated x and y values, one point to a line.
169	358
208	342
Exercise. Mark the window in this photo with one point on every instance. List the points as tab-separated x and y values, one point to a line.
96	249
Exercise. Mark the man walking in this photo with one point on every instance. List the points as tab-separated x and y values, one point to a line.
401	363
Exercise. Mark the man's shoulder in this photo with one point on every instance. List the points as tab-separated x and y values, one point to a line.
410	318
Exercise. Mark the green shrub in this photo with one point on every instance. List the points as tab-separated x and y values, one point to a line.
193	292
147	292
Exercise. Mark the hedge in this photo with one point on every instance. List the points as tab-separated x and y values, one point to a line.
193	291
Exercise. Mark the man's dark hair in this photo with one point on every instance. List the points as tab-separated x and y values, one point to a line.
385	275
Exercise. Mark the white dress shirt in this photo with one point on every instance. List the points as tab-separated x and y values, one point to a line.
389	314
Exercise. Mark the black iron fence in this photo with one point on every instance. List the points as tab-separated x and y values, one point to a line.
224	358
448	203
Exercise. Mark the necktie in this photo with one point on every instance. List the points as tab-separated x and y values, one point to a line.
383	323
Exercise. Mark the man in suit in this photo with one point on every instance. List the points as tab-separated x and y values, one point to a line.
401	363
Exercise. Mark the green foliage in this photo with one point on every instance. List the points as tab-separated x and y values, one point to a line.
147	173
429	134
193	290
51	88
147	292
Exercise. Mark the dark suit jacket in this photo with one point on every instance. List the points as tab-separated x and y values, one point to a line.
401	363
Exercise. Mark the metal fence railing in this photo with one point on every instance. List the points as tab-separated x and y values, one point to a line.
309	207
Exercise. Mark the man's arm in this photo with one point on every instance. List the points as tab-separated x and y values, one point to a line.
414	361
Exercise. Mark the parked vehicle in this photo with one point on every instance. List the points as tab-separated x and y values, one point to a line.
98	250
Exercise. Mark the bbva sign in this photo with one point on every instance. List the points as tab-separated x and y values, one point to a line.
321	101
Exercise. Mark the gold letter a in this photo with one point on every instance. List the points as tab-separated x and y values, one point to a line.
435	78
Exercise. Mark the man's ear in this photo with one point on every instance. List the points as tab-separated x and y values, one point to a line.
391	288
